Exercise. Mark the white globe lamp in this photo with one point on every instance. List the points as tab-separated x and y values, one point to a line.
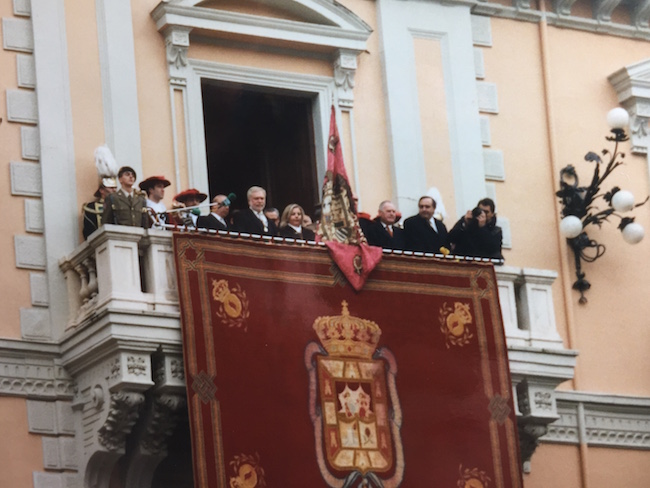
623	201
618	118
570	226
633	233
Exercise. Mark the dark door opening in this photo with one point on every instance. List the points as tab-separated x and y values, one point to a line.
260	138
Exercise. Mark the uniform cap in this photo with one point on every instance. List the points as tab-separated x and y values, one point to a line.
124	169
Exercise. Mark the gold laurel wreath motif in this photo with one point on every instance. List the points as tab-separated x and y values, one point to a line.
454	324
472	478
233	303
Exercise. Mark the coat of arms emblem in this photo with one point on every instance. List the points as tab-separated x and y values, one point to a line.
354	405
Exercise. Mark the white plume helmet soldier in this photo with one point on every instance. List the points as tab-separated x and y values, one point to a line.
106	165
107	169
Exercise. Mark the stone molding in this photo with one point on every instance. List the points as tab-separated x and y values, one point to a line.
341	33
632	85
345	67
33	370
606	420
639	13
17	35
345	29
321	87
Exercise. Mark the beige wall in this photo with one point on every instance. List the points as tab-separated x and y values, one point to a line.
555	465
20	451
578	66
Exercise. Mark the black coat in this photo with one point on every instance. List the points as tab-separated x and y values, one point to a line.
420	236
472	240
377	235
307	234
210	222
247	221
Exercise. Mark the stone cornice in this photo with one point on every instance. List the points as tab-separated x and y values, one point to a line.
552	365
116	330
561	16
33	370
601	420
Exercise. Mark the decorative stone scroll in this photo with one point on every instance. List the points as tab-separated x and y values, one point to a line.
177	43
345	67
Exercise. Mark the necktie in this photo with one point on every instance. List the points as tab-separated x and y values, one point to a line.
389	228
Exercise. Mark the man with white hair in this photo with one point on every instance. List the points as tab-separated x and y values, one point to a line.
382	231
252	220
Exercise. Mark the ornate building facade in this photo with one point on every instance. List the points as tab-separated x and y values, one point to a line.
465	98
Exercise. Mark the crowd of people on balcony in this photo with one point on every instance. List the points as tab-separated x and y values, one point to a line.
476	234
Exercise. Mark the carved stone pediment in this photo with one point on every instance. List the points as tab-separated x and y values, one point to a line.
317	12
320	25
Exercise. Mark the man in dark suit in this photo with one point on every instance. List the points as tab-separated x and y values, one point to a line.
477	233
218	213
382	231
252	219
127	206
423	231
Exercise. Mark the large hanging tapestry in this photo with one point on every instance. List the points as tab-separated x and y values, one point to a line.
296	379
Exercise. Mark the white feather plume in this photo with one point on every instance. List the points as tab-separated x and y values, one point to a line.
105	162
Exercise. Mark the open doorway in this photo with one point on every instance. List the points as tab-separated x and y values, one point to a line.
260	137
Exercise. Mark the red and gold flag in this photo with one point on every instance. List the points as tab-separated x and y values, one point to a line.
339	227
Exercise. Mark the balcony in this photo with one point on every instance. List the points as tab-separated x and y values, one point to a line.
123	346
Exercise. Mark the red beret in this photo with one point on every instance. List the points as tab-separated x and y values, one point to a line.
192	192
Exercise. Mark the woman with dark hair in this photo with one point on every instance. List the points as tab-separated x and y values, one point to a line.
291	223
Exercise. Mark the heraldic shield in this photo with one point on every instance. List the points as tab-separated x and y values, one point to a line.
353	404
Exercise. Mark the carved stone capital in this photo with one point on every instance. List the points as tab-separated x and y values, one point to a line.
632	85
639	133
122	415
168	372
345	67
177	43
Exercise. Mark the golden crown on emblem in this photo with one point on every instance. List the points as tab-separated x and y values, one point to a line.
344	335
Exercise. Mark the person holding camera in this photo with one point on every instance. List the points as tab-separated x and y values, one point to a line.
476	233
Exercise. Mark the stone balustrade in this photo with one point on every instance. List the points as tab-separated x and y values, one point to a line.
125	268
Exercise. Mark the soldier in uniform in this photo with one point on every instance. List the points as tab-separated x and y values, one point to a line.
92	211
127	206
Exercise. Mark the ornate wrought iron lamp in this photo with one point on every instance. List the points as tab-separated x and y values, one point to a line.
578	203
